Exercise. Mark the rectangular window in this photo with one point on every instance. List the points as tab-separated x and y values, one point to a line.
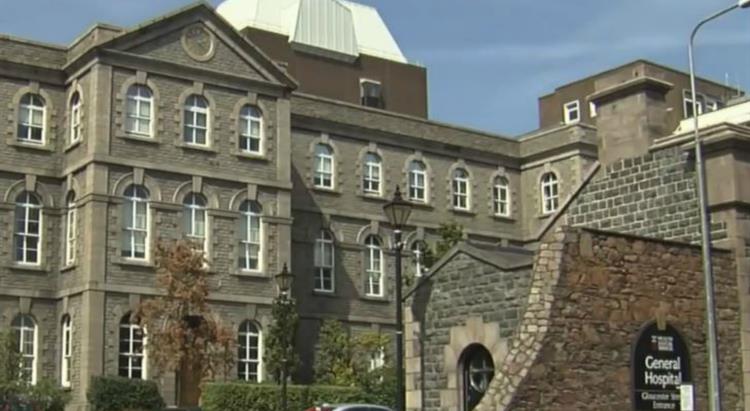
374	268
250	243
67	333
135	229
323	168
572	112
71	235
592	109
371	93
500	196
417	185
371	180
324	263
687	102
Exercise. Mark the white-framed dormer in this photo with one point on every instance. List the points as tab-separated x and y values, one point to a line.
572	112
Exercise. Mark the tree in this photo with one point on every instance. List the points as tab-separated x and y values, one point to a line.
279	347
180	325
451	233
333	362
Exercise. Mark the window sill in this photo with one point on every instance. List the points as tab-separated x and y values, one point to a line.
30	146
420	204
375	298
72	145
506	218
69	267
546	215
129	262
251	156
197	147
140	138
463	211
327	294
32	268
326	190
251	274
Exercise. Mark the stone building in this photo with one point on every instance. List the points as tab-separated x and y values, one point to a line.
269	145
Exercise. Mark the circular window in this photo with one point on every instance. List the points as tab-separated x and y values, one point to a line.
477	369
198	42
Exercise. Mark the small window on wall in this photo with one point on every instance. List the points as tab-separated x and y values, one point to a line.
592	109
477	370
371	93
687	102
572	112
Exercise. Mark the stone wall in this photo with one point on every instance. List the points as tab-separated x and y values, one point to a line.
572	350
653	195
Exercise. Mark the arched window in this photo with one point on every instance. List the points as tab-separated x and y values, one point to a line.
324	166
25	335
139	111
250	350
324	279
500	197
418	250
251	130
196	120
477	370
417	181
75	118
550	193
31	118
66	351
70	229
373	267
195	220
28	229
372	175
132	358
135	217
461	189
251	242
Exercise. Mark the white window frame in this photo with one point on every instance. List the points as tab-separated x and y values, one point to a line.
71	235
28	203
374	267
139	95
568	109
66	350
131	329
325	278
36	105
244	361
418	251
251	115
687	103
195	208
362	96
27	326
249	238
592	109
417	181
320	172
501	197
192	112
550	192
372	174
75	118
461	190
131	232
377	359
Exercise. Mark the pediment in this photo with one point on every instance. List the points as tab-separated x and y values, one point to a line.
197	37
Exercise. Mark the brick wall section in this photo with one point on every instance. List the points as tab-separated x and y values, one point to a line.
607	288
653	195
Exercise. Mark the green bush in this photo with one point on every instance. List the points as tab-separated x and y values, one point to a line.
118	394
262	397
44	396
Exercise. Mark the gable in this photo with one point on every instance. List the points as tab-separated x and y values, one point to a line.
196	36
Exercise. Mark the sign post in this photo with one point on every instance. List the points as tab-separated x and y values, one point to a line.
661	366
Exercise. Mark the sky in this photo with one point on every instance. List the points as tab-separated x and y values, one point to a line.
487	60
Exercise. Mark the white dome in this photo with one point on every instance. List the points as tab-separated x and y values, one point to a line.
340	26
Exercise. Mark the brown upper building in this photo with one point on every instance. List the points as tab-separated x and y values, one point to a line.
334	49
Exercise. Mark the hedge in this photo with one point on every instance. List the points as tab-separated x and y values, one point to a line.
118	394
239	396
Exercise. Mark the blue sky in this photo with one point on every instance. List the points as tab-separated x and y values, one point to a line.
487	60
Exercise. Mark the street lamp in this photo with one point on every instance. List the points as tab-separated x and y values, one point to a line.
714	387
284	281
398	212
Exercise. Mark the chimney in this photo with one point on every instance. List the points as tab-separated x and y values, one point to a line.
630	115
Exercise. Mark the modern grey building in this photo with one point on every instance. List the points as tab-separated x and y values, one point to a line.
268	144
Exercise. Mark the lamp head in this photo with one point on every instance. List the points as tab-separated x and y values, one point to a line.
743	4
398	210
284	280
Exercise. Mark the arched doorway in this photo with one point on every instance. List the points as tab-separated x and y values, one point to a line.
477	370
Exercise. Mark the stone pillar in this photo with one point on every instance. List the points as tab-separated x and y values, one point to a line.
413	363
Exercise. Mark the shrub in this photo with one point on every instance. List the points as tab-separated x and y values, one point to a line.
118	394
262	397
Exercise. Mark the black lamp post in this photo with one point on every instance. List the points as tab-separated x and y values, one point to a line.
284	281
398	212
